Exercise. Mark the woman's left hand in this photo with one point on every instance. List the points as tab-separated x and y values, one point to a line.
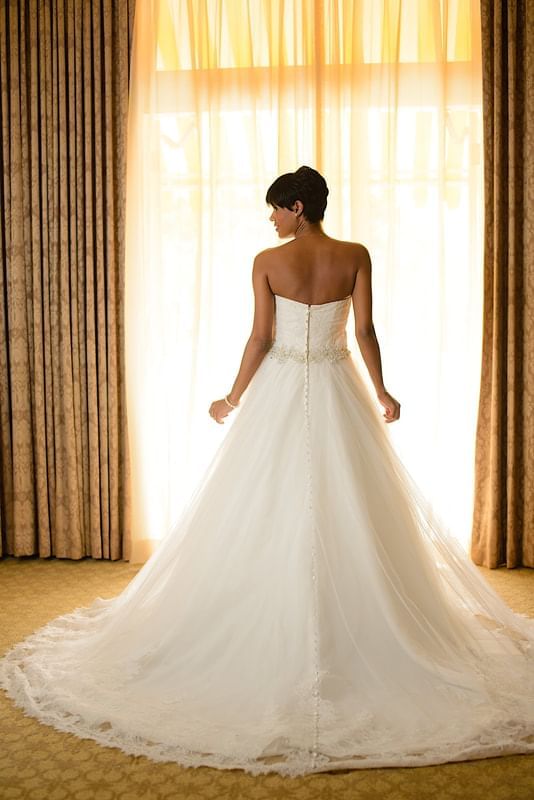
220	409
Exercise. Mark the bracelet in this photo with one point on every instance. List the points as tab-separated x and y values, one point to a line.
229	403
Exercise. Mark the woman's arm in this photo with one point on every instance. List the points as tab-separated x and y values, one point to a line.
259	341
366	336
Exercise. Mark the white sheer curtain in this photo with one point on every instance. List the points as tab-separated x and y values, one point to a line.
384	98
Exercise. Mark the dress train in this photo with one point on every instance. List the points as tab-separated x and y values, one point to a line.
305	613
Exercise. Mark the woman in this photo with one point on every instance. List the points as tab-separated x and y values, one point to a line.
312	264
305	613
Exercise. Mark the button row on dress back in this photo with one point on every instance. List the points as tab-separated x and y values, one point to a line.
315	612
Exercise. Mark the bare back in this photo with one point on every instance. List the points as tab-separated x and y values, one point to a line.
313	269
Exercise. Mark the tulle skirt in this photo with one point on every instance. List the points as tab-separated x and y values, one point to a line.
304	613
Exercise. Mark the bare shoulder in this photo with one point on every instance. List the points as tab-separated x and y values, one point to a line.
358	250
269	260
265	257
361	254
262	262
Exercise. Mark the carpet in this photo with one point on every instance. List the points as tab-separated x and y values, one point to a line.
39	763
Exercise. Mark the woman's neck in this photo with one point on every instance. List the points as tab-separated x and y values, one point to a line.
305	228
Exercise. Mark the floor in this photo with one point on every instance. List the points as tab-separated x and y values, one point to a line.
40	763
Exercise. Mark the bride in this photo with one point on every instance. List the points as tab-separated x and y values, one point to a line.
312	263
305	613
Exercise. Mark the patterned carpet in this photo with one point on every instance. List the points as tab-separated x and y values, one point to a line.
40	763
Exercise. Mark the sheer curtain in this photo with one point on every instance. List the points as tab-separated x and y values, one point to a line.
384	98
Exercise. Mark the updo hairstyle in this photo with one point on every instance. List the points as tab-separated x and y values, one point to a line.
306	185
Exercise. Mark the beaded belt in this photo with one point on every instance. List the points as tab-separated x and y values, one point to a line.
330	352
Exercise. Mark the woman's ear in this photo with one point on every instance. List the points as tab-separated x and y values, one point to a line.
298	207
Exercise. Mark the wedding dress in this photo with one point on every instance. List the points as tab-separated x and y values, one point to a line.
305	613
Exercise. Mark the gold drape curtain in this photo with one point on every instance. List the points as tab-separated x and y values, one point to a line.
383	97
503	519
63	112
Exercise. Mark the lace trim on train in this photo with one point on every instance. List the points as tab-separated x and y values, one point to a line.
503	729
328	352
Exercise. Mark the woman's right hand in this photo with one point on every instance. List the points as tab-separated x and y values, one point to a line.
391	405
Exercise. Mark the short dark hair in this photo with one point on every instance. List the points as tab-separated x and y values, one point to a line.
306	185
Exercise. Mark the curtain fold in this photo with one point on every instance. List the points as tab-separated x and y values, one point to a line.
503	517
382	96
64	468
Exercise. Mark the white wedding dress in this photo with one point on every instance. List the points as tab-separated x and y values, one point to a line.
305	613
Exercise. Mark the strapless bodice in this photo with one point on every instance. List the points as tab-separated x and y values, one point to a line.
310	332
